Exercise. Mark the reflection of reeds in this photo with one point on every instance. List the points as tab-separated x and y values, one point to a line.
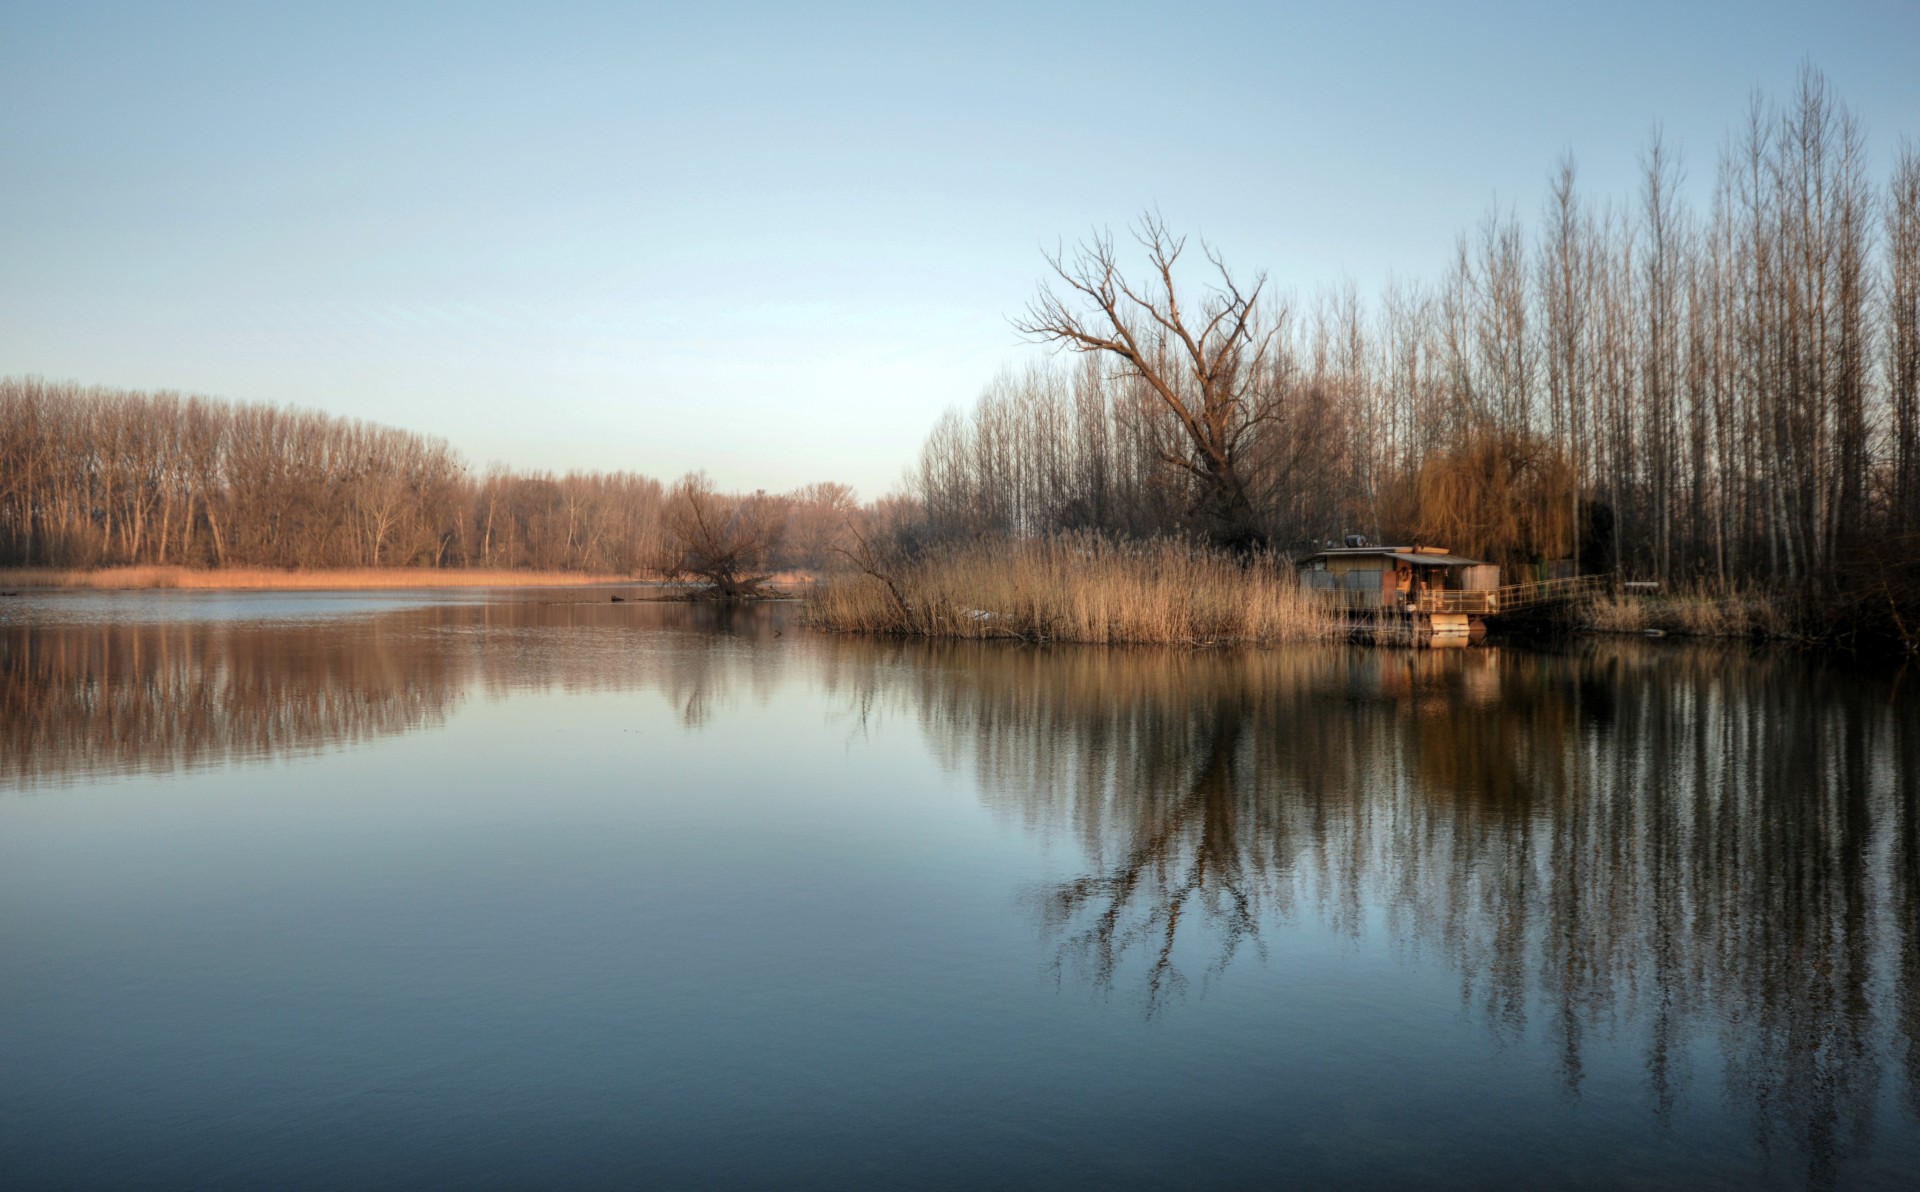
286	579
1078	588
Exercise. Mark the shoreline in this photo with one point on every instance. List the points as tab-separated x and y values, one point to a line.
1734	618
330	579
156	578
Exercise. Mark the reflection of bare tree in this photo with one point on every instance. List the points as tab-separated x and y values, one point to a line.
713	659
1905	871
1662	846
1186	858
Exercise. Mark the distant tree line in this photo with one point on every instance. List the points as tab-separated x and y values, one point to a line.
93	477
1728	396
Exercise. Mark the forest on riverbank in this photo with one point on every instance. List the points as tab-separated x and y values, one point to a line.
94	478
1725	401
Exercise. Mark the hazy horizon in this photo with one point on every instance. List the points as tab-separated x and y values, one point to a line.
775	246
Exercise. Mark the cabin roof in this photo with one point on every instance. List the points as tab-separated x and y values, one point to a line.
1426	556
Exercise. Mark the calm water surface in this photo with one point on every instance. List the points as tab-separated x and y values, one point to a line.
520	890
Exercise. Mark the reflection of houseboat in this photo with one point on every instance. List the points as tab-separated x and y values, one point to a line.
1436	595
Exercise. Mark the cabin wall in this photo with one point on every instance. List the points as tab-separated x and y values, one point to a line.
1370	588
1359	563
1374	580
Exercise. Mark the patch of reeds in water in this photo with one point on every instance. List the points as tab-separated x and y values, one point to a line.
1695	612
1077	588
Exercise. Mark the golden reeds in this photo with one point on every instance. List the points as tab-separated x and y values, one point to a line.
1693	612
1078	588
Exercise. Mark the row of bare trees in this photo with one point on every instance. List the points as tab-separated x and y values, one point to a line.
92	477
1725	396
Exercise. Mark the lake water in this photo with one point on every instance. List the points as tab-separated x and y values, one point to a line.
527	889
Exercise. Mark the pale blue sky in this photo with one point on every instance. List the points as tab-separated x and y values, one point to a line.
776	241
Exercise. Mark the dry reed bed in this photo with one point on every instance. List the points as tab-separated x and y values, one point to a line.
1693	613
1077	589
295	580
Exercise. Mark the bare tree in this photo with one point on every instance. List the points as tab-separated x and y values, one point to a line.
1210	367
1903	332
726	542
818	523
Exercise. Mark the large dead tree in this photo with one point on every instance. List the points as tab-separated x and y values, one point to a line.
1209	365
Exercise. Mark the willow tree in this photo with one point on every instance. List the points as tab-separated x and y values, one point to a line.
1495	494
1208	361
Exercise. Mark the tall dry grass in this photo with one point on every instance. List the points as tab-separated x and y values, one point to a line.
1694	612
295	580
1077	588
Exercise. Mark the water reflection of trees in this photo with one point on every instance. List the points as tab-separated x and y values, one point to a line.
1652	845
83	700
1663	844
96	699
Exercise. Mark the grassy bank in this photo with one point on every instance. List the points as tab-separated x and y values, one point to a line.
1882	620
269	578
1696	613
1075	589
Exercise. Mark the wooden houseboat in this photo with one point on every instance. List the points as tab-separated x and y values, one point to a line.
1433	595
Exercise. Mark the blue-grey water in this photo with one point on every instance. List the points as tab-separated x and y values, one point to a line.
531	890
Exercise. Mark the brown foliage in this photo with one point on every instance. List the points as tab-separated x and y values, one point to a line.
100	478
1504	496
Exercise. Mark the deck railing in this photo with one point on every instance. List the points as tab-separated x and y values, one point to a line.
1510	598
1443	601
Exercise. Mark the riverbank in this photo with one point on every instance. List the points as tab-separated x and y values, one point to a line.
1074	588
1688	614
343	579
303	580
1878	624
